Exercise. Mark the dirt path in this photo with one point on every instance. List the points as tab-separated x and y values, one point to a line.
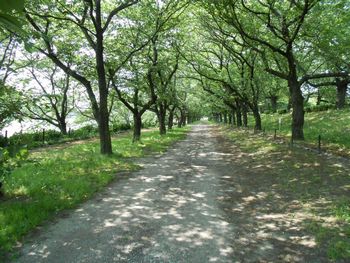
196	203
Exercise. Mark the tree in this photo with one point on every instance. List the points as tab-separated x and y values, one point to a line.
162	75
90	22
332	46
137	87
136	94
274	29
51	97
9	97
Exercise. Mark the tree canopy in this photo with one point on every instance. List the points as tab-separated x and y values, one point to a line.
177	59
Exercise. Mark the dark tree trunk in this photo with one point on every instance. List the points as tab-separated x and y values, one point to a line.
234	117
161	114
63	126
178	119
220	117
296	96
230	119
103	122
137	127
171	119
298	111
182	118
273	100
225	118
342	86
239	115
257	118
319	97
245	115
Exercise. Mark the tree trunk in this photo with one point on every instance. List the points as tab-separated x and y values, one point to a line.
179	122
230	119
63	127
298	110
161	114
234	117
342	86
220	117
257	118
239	116
225	118
103	122
296	97
137	127
105	135
319	97
245	115
171	120
183	118
273	100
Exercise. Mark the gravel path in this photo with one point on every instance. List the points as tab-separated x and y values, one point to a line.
189	205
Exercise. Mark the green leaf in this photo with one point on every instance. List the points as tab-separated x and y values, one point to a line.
7	6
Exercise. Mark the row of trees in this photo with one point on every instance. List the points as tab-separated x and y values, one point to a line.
176	58
254	50
126	51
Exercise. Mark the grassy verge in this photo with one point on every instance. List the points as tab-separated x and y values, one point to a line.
332	125
61	177
319	185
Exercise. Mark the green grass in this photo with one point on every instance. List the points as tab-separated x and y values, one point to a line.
332	125
61	177
320	184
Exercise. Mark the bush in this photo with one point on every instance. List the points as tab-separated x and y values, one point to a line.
35	139
84	132
322	107
117	127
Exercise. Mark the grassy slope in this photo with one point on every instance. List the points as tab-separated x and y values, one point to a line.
333	126
321	185
61	177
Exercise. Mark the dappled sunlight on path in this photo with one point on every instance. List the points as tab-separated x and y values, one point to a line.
196	203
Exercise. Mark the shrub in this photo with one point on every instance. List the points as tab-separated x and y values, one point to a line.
117	127
84	132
